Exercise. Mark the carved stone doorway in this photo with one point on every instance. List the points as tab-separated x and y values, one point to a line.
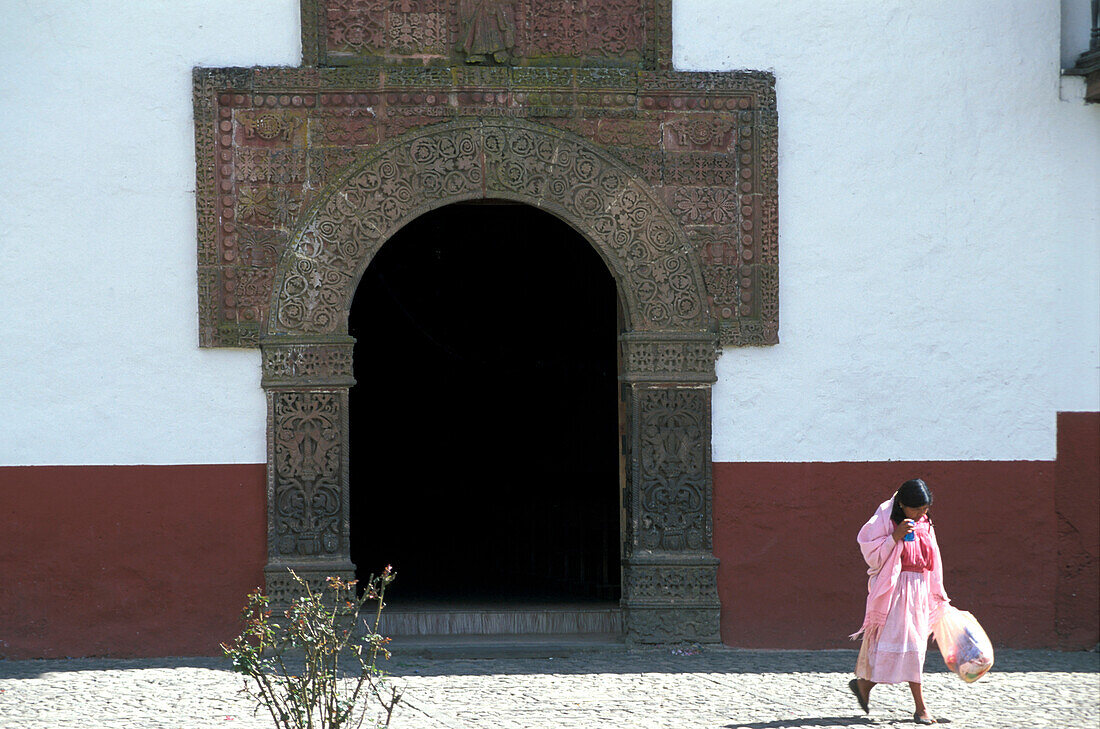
667	350
484	428
401	108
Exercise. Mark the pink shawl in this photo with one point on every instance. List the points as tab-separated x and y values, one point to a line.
883	557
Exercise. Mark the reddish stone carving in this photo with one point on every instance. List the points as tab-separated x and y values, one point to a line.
705	143
487	30
521	32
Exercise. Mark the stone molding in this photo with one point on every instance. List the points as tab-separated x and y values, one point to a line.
669	357
283	589
304	362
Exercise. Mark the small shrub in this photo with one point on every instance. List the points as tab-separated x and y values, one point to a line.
314	667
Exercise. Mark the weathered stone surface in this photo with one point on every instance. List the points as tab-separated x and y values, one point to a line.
487	32
272	143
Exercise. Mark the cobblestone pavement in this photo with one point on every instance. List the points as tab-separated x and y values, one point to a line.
653	688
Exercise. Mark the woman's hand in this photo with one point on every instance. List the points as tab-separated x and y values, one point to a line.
903	528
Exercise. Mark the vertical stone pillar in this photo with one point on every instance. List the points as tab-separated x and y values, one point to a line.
670	590
306	380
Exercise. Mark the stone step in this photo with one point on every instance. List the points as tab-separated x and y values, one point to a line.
542	645
489	620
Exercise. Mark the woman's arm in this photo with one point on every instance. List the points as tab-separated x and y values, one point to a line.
876	541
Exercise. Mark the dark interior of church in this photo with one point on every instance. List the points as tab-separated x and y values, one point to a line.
484	425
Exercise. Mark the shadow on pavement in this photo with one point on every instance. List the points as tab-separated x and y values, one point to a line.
824	721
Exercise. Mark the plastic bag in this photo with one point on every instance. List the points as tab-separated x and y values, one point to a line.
963	644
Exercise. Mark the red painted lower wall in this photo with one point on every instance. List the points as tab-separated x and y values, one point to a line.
1077	503
127	560
156	560
1019	542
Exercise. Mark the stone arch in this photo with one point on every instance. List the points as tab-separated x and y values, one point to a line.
659	278
668	352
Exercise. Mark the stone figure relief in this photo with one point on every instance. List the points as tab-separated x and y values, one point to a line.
487	30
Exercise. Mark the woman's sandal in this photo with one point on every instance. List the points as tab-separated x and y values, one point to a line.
924	720
854	685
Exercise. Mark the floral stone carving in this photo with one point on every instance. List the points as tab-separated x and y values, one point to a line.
697	151
509	159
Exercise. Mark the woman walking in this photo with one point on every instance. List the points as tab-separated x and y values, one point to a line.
905	595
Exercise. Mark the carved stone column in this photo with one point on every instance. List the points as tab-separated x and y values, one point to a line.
670	573
307	380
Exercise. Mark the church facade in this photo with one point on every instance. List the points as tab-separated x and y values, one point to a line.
491	290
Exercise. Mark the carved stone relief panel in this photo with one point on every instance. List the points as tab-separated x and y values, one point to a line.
487	32
671	468
273	144
309	499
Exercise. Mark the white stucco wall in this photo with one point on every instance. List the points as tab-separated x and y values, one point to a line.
940	242
99	362
939	231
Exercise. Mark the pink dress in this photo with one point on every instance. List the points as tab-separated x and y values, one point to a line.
895	653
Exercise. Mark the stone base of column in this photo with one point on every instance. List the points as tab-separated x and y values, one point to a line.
282	588
671	599
671	624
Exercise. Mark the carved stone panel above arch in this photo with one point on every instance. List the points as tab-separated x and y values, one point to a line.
488	32
697	149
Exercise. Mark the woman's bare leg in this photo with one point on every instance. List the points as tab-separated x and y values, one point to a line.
918	701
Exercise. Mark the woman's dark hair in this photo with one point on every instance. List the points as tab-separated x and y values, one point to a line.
914	492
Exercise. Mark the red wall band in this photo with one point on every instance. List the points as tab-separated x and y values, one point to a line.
133	561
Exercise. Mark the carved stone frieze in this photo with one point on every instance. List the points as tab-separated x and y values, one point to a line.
510	32
308	363
668	357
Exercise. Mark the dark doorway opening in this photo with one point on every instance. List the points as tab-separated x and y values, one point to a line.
485	426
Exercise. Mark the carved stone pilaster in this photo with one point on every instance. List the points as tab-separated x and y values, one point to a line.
670	590
307	383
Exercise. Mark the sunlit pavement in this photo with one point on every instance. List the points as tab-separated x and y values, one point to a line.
653	687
